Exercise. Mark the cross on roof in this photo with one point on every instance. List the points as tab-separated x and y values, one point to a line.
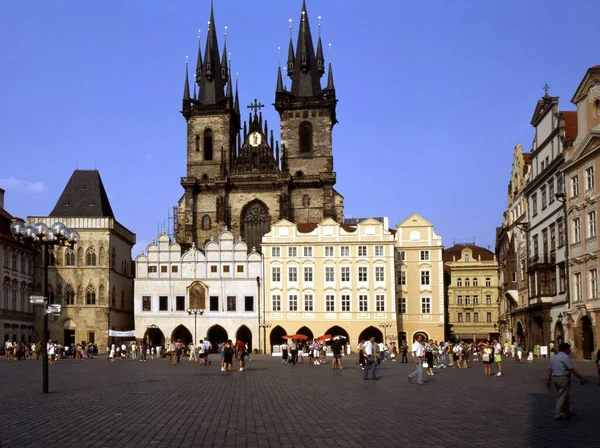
546	88
256	105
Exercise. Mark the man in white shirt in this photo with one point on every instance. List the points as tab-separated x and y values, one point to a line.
371	355
498	356
417	352
8	348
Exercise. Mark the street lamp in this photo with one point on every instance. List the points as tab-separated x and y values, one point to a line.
264	326
195	312
385	326
43	236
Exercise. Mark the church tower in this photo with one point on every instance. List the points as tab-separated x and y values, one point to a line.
307	114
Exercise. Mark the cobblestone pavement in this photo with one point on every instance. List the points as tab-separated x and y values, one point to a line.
96	403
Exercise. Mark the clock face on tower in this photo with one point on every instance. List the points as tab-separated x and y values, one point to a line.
255	139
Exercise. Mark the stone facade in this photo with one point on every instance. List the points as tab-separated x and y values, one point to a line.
473	300
330	279
419	280
222	282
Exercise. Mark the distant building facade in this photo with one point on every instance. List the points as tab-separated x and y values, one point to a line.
222	282
419	280
330	279
94	280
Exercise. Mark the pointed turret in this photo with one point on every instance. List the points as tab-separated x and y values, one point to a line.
187	104
236	105
224	66
279	81
291	57
305	79
330	85
211	81
199	61
229	92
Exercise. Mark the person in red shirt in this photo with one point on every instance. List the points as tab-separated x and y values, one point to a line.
240	353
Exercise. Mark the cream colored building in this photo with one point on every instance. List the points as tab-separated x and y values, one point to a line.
419	280
473	305
93	281
221	280
329	278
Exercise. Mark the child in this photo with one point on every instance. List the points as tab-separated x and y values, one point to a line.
530	358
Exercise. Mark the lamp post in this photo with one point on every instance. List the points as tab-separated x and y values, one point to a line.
195	312
43	236
264	327
385	326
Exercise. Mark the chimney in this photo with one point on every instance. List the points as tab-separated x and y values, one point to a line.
1	198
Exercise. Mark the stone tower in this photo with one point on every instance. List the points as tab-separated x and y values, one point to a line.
236	175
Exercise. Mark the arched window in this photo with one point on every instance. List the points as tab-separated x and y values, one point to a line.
467	282
305	137
101	294
59	293
305	201
113	258
206	222
197	143
90	295
255	223
69	257
113	298
208	145
51	259
69	296
90	257
475	282
102	258
459	282
51	297
122	299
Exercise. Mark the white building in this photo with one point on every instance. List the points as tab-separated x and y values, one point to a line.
223	281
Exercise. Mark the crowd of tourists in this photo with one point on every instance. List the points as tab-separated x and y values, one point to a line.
19	351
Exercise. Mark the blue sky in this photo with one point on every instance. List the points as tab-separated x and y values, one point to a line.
433	96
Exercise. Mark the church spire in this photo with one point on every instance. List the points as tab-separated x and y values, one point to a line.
305	79
187	104
199	61
291	56
320	58
236	104
229	93
211	82
279	77
224	66
330	85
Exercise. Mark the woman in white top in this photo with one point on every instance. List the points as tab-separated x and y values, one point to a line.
111	355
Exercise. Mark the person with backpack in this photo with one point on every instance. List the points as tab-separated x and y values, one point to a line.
228	355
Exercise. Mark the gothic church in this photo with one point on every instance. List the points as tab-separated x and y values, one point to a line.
237	175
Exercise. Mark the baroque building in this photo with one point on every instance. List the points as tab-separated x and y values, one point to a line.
93	281
221	282
16	264
419	280
329	278
473	300
237	175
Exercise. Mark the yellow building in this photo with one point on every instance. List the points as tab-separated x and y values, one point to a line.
419	280
473	301
329	278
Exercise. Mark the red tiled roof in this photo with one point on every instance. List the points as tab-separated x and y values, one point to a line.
570	123
455	251
527	158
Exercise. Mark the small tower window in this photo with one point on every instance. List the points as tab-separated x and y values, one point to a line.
206	222
197	143
305	132
208	145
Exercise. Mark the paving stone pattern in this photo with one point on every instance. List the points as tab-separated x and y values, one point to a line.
97	403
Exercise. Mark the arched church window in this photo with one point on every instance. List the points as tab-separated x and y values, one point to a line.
90	257
69	257
197	143
305	137
90	295
256	223
206	222
305	201
208	145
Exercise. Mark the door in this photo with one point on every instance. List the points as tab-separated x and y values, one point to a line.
69	337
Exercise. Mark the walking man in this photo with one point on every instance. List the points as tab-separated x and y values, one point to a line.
417	352
370	359
559	373
336	348
404	350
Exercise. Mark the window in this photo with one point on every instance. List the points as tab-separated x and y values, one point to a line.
292	274
475	300
345	303
90	296
208	145
308	273
578	292
174	269
329	303
249	303
152	269
561	232
475	317
214	303
460	317
206	222
308	252
276	274
345	251
424	255
425	305
468	317
574	186
458	282
401	277
226	269
467	282
362	251
293	302
534	204
345	271
305	137
329	251
401	255
163	303
240	268
488	317
544	198
276	302
276	252
488	281
467	300
90	257
309	303
213	269
591	227
231	303
70	297
91	337
425	278
180	303
363	303
459	300
475	282
402	305
164	269
362	274
329	274
589	178
292	251
552	240
488	300
576	230
551	191
379	273
380	303
562	278
593	283
69	257
379	251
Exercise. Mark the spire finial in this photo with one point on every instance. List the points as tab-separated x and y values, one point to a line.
329	53
225	34
546	88
320	26
290	27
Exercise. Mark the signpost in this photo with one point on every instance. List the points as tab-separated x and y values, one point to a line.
37	300
53	308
